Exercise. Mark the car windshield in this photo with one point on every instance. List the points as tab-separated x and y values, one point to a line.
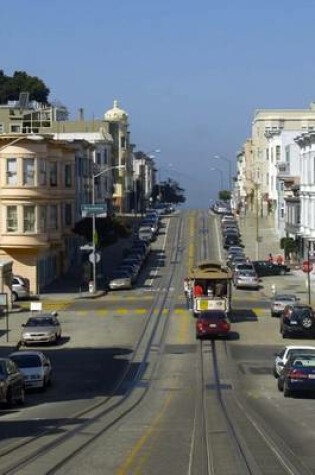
285	298
213	315
40	322
301	352
27	361
247	273
2	367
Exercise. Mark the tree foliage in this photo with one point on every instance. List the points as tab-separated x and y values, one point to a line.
109	229
11	87
224	195
168	191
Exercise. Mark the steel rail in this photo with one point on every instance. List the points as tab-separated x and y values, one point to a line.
101	409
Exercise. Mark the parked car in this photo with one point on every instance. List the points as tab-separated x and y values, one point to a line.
120	280
298	375
231	240
282	356
12	387
246	279
20	288
35	366
279	301
265	268
297	320
212	323
45	328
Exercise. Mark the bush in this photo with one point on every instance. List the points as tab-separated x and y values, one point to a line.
289	245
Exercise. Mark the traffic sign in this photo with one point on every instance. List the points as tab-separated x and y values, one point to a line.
93	208
94	258
87	247
307	266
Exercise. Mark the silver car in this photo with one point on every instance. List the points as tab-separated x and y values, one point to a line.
279	301
35	366
45	328
120	280
20	287
246	279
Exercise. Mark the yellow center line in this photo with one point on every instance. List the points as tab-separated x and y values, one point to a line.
131	459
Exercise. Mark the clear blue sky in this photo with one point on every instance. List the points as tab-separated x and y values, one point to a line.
190	74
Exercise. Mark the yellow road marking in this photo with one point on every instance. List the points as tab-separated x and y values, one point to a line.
131	459
260	312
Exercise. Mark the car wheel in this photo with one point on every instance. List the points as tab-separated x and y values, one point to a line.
9	398
14	297
286	391
21	399
280	384
274	372
306	322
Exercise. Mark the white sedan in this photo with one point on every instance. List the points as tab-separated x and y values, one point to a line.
288	351
35	366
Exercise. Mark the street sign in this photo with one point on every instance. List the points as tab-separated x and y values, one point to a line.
87	247
94	258
96	208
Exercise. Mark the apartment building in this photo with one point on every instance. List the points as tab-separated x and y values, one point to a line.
274	121
37	206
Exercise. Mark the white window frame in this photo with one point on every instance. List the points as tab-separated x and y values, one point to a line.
11	171
28	171
13	228
29	222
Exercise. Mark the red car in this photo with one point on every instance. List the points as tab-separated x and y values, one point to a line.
212	323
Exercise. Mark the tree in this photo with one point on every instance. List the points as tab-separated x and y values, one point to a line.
168	191
11	87
224	195
108	230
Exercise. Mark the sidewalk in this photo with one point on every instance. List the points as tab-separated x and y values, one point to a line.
296	281
263	229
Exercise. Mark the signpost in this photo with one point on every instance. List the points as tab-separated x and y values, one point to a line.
92	209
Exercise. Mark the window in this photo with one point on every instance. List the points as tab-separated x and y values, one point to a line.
15	129
105	156
278	152
123	142
53	174
12	221
1	128
43	218
287	153
68	177
53	217
42	172
28	171
11	171
29	219
68	214
267	153
98	158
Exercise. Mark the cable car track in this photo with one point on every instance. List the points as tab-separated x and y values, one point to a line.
99	418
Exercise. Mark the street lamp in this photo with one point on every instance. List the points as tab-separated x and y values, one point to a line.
96	175
257	220
221	175
218	157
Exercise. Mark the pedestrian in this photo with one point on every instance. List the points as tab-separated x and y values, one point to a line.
198	290
186	287
279	260
270	258
189	296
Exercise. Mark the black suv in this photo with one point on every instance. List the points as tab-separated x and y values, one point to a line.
265	268
297	320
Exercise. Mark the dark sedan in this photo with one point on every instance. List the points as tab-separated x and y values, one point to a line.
11	383
298	375
265	268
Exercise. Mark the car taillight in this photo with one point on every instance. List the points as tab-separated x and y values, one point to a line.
225	325
297	374
199	325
